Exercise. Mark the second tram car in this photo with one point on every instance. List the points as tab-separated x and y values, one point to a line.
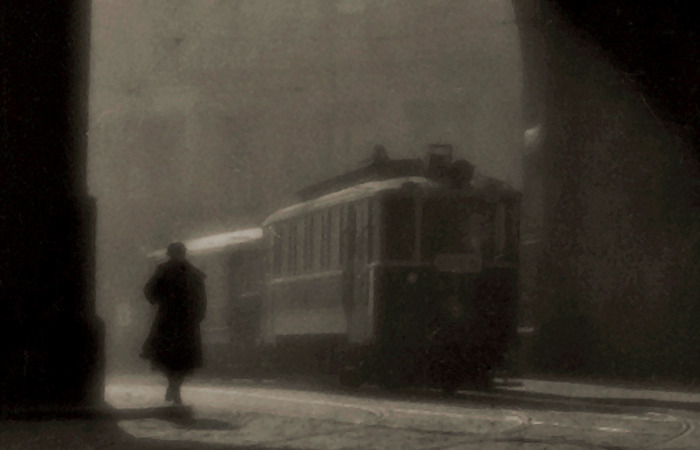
401	280
234	264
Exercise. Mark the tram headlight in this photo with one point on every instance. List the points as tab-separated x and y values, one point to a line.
412	277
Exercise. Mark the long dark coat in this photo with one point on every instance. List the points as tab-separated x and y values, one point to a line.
174	343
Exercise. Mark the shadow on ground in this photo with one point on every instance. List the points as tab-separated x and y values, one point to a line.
180	417
102	431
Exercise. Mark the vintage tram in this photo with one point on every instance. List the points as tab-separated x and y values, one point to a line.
401	273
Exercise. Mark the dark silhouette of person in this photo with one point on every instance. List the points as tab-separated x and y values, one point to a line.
174	344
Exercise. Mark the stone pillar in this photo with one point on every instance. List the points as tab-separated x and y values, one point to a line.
50	336
617	290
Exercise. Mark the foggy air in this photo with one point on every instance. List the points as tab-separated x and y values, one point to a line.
207	116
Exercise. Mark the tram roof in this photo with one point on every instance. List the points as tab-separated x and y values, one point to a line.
357	192
480	183
216	242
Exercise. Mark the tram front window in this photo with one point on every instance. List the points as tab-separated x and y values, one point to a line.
445	227
399	228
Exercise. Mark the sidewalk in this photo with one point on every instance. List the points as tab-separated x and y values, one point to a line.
603	389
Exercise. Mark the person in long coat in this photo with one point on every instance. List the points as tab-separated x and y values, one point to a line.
174	344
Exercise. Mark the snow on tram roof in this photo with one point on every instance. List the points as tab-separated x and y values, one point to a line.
363	190
215	242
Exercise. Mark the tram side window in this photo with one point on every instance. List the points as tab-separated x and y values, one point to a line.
308	242
292	249
282	229
277	243
362	223
325	238
316	236
348	234
342	225
372	234
398	228
301	245
334	240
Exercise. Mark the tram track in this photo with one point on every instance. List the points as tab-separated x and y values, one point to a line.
495	417
685	426
524	435
395	413
688	428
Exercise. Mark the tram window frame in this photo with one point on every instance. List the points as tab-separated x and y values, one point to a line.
283	229
361	226
292	243
348	234
336	236
372	231
277	243
325	238
377	241
307	258
317	241
342	218
301	244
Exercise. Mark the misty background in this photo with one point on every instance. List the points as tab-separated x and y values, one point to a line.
207	115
